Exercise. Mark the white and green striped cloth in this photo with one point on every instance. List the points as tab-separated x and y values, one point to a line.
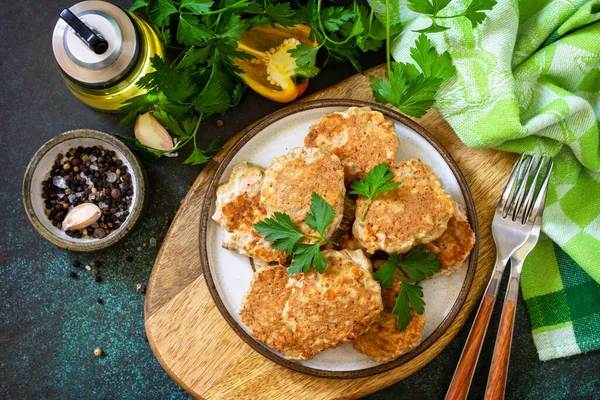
528	80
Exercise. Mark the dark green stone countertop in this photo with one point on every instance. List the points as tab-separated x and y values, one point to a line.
50	324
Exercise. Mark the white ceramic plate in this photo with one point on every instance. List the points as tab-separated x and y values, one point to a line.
229	274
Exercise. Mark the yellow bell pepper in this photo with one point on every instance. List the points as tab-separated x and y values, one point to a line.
271	72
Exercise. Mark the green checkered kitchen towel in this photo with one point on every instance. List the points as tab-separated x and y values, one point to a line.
528	80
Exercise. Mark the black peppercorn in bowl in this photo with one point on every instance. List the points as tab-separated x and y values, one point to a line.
84	190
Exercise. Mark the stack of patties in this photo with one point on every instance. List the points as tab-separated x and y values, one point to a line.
302	314
418	212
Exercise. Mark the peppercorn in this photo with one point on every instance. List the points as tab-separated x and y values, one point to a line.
94	271
98	352
77	263
220	123
100	301
129	258
66	166
73	275
98	279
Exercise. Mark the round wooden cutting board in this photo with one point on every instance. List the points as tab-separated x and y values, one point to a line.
200	351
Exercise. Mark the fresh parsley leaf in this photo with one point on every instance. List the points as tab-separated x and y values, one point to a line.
194	56
160	12
307	256
280	231
141	150
410	295
215	95
411	93
174	84
418	264
474	11
377	181
389	91
281	13
138	4
196	6
334	17
433	28
431	7
306	58
200	156
386	274
137	105
429	61
419	95
284	235
320	215
191	32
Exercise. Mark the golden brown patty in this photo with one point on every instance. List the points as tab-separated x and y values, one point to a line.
455	244
360	137
238	208
261	309
382	341
415	212
291	179
326	310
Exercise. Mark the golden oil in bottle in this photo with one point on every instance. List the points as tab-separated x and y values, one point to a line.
102	52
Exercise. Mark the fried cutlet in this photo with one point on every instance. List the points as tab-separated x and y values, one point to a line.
261	309
326	310
360	137
291	179
382	341
455	244
238	208
416	212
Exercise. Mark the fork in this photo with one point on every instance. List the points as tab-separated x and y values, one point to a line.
511	228
496	385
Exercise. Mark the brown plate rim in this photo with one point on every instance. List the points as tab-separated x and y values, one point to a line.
205	218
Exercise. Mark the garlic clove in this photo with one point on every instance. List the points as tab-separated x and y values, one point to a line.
151	133
81	216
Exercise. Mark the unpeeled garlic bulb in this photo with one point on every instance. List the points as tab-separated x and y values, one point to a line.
151	133
81	216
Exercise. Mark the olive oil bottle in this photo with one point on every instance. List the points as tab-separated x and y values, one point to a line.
102	51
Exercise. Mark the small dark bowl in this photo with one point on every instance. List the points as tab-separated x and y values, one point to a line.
39	168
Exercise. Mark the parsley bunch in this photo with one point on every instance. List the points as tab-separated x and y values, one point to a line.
417	266
433	8
377	181
410	89
285	236
200	79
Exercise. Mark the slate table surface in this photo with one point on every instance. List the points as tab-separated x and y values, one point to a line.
51	324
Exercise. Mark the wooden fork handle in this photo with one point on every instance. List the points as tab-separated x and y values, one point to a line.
459	388
499	370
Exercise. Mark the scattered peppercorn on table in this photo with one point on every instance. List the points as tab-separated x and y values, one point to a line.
71	325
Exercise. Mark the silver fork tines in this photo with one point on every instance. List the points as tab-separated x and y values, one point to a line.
508	192
517	200
537	208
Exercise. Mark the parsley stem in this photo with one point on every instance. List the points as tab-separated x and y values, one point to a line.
367	204
179	56
323	32
187	140
387	36
449	16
